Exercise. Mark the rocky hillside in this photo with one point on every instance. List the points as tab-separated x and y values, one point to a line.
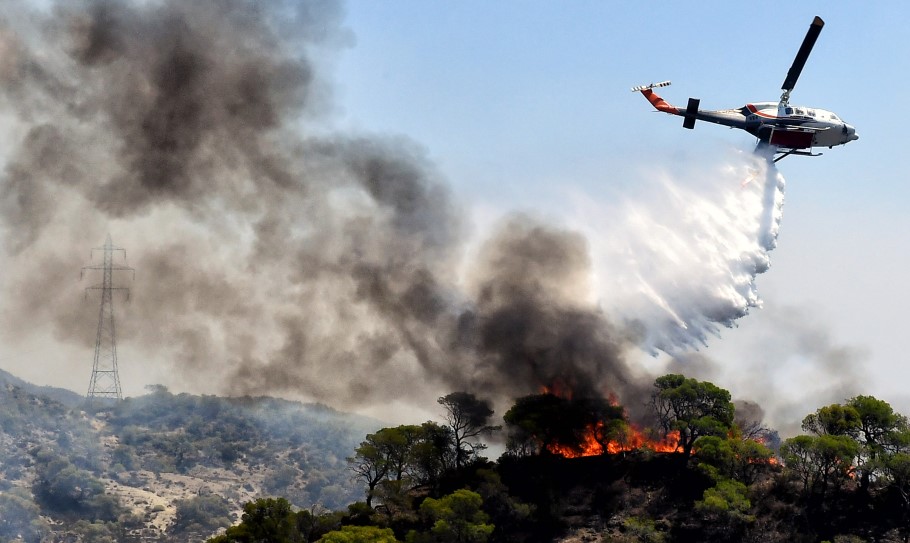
162	467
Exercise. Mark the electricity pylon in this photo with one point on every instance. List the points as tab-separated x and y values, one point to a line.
105	382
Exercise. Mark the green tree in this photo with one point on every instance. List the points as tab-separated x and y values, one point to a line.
833	420
641	530
393	455
896	468
62	487
727	497
360	534
733	456
266	519
398	444
693	408
432	455
507	513
882	433
725	507
455	518
20	517
370	463
469	418
392	462
201	515
312	525
820	462
872	423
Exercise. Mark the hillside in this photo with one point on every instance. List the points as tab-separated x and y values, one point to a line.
60	395
162	467
166	467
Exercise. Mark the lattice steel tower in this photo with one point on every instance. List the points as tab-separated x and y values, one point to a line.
105	381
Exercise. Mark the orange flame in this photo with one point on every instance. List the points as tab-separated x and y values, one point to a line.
633	440
558	389
630	440
772	460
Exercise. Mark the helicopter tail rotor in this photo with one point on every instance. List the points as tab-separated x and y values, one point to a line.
651	86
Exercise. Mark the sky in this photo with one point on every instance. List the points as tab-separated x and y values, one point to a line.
522	106
525	107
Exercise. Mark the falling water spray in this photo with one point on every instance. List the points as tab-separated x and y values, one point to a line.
679	261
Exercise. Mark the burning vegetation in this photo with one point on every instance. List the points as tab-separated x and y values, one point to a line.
575	427
563	464
631	439
429	482
682	411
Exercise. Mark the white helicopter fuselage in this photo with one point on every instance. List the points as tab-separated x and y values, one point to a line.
825	127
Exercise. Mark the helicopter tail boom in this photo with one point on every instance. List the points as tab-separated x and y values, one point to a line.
659	103
690	112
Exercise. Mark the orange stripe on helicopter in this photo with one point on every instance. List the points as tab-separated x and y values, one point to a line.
659	103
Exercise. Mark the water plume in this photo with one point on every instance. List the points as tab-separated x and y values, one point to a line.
680	261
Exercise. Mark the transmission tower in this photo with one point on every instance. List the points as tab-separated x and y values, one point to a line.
105	382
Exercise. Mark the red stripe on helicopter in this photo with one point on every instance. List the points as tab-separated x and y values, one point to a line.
756	111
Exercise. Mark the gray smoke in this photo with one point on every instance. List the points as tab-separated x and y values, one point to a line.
533	323
793	364
271	260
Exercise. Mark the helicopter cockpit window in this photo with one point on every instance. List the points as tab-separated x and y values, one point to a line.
834	117
789	111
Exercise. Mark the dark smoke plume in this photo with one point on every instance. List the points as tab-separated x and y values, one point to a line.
269	259
533	322
272	258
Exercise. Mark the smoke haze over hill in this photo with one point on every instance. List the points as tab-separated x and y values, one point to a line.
277	256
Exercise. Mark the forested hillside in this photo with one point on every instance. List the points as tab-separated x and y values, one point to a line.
578	470
163	467
166	467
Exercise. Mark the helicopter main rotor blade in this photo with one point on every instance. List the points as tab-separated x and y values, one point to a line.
814	30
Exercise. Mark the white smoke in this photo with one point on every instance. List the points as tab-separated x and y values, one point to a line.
679	260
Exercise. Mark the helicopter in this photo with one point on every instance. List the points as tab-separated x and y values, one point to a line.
785	129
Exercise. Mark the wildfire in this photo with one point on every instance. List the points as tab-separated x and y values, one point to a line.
764	441
618	436
631	440
598	439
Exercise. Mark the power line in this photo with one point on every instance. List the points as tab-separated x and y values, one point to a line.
105	381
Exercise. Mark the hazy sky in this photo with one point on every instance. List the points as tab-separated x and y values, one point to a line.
525	106
522	105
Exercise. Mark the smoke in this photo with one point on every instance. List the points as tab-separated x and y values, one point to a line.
788	360
272	258
533	322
